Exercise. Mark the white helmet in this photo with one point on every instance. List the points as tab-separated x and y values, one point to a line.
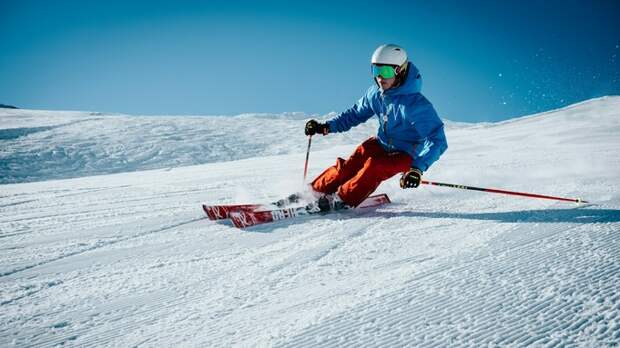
389	54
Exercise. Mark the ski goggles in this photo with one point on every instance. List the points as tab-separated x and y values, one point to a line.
385	71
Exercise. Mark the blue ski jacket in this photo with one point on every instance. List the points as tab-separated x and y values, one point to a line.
407	120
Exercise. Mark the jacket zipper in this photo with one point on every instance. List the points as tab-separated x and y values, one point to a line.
385	122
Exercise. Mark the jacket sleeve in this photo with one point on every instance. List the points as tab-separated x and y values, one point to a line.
433	144
358	113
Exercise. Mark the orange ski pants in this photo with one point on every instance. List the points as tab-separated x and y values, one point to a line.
360	175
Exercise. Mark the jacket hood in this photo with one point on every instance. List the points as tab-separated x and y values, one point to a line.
412	85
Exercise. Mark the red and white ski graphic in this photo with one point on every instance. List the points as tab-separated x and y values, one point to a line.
219	212
242	219
222	211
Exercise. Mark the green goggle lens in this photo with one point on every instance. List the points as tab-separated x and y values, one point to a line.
385	71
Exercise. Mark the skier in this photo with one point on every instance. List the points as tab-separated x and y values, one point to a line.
409	140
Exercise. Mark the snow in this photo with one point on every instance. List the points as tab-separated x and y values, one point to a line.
103	242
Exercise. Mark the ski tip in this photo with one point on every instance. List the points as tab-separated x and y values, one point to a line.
206	210
210	214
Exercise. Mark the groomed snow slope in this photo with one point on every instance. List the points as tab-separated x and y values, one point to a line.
129	260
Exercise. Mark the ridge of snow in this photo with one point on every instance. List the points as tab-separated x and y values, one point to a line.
41	145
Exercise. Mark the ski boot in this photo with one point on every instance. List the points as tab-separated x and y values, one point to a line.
292	199
331	202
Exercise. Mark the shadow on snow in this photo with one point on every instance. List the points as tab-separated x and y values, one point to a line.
576	216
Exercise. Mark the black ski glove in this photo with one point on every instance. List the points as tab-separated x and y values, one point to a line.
412	178
313	127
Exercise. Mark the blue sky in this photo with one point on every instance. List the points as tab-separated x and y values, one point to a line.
481	61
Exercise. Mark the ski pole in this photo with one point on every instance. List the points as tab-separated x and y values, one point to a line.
532	195
307	156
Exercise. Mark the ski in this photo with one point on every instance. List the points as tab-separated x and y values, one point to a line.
222	211
219	212
244	218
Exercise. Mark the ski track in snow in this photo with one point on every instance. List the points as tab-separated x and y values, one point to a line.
129	259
